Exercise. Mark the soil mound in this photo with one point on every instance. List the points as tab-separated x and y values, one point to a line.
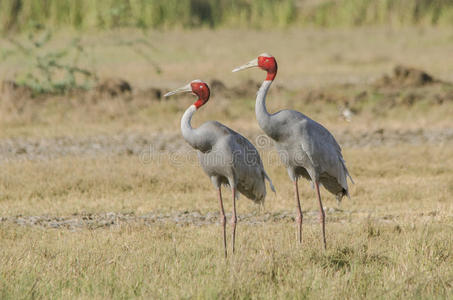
245	89
217	86
113	87
151	93
404	76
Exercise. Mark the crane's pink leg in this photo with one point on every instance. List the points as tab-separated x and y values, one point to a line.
223	220
322	215
234	218
299	211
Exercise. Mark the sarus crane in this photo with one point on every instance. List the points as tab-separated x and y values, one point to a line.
306	148
226	157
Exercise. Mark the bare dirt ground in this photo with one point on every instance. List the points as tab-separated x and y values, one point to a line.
196	218
139	144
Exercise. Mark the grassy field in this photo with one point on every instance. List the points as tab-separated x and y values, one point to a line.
392	261
83	157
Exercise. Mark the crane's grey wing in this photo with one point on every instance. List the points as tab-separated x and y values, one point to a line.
232	153
323	151
248	168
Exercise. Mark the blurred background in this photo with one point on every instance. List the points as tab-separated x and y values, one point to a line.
257	14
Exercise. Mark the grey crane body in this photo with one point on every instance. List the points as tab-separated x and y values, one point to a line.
226	157
306	148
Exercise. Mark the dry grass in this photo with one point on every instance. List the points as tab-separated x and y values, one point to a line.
391	261
391	240
405	180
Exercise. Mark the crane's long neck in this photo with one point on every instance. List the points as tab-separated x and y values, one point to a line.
262	115
189	134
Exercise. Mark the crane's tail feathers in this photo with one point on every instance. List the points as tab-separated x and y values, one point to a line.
351	178
270	182
347	192
346	170
343	162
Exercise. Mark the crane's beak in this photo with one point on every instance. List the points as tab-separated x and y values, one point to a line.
250	64
184	89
